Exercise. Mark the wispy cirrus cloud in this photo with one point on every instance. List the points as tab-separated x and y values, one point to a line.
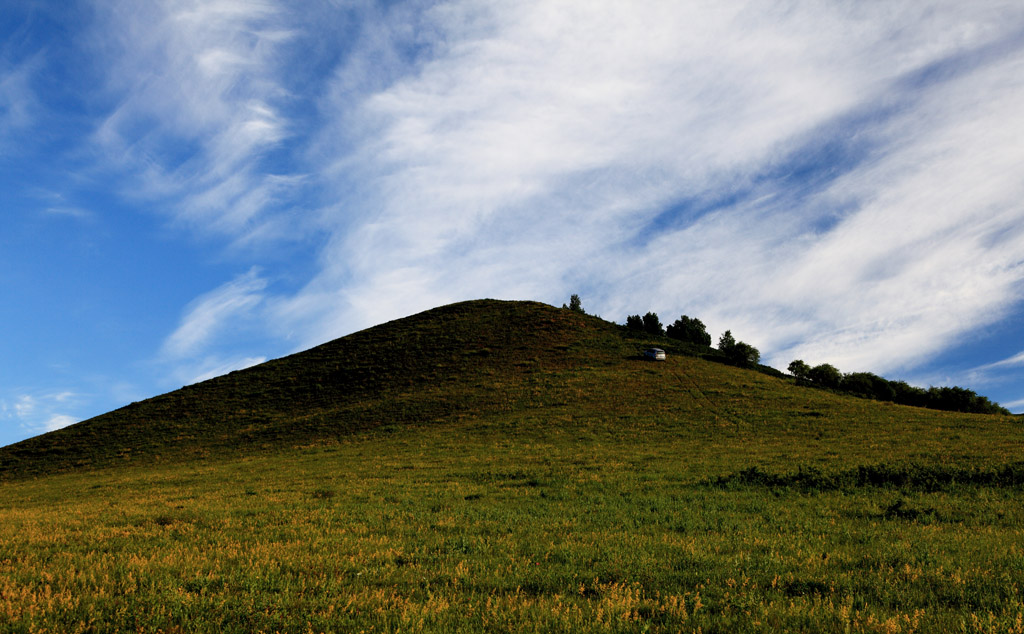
199	348
213	312
198	108
540	139
18	100
1004	372
1009	362
55	204
213	366
833	182
886	260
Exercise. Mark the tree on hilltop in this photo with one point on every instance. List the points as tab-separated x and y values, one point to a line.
689	329
575	304
825	375
908	394
726	341
868	385
800	370
738	352
652	325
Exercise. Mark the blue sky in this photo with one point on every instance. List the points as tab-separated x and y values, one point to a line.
195	186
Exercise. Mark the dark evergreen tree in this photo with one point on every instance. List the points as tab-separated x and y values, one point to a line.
635	322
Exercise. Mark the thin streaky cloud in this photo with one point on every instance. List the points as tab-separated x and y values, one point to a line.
195	132
463	153
212	313
18	101
213	367
1009	362
70	212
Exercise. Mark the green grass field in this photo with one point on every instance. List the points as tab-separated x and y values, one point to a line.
542	479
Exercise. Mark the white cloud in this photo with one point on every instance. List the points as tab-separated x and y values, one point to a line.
42	411
832	181
69	212
537	149
25	406
1016	360
55	204
210	314
212	367
199	107
18	101
58	421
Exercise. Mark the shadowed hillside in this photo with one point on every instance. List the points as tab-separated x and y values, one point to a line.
515	364
448	362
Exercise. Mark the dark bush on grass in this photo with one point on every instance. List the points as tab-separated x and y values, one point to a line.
902	476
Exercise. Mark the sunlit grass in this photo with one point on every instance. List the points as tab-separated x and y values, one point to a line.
471	527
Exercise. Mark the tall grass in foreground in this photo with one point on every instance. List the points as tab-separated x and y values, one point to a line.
575	528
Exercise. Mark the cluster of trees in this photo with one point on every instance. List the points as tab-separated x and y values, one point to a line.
649	323
868	385
738	352
692	330
864	384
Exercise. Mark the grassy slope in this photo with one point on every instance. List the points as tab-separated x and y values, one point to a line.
445	363
524	472
514	361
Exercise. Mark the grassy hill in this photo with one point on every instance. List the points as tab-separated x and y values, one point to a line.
509	466
514	362
471	359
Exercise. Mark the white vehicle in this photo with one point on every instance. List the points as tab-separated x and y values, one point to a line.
654	354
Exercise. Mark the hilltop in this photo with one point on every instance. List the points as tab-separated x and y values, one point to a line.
486	360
